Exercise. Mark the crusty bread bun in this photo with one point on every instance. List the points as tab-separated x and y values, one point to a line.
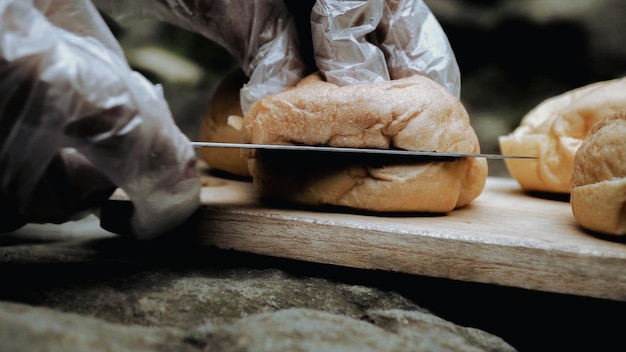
413	113
598	186
554	130
222	123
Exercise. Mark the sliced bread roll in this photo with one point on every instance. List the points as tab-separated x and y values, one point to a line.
598	185
222	123
413	113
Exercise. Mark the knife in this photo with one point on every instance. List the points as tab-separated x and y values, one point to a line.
361	151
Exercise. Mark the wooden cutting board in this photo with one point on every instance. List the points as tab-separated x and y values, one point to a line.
505	237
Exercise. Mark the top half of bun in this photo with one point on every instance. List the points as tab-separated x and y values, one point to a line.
602	156
413	113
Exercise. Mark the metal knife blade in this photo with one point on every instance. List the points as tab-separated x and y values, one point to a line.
396	152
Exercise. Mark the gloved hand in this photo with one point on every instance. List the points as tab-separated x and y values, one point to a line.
366	41
76	122
71	106
352	41
259	33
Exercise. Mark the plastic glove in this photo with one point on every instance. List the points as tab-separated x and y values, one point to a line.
366	41
77	121
262	35
259	33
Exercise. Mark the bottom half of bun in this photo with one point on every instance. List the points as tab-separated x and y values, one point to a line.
230	160
598	192
601	206
432	186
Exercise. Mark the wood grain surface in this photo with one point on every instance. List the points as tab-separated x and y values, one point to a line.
505	237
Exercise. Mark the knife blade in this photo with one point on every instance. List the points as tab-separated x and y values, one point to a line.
346	150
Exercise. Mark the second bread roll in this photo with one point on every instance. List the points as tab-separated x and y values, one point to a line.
598	194
554	130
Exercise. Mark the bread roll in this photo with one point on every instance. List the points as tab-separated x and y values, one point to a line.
598	193
413	113
554	130
215	126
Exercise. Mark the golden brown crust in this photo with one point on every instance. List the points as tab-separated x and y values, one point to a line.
214	127
554	130
413	113
426	187
602	155
598	194
374	115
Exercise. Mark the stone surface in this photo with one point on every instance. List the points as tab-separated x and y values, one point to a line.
24	327
82	290
29	328
63	287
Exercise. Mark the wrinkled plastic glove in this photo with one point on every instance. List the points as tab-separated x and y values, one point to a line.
367	41
259	33
355	41
76	122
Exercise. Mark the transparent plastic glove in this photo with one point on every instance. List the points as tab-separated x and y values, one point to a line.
259	33
362	41
77	121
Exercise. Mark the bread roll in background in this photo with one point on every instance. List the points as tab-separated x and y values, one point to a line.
215	127
413	113
598	185
554	130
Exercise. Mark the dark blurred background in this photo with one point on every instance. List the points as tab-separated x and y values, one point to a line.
512	55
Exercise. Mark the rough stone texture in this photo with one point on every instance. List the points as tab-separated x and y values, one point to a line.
65	287
385	330
93	291
184	298
30	328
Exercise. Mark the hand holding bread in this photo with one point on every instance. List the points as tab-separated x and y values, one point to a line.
409	42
